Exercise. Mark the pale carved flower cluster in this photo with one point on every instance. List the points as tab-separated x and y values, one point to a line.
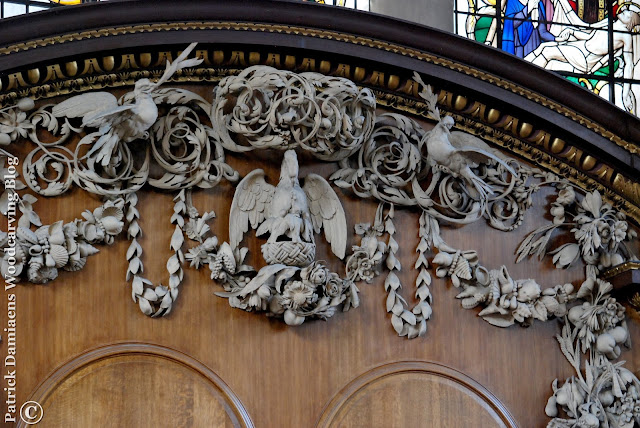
41	253
14	122
599	231
289	292
604	394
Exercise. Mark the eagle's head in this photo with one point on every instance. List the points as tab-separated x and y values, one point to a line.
289	166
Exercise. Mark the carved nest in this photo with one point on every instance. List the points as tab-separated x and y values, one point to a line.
289	253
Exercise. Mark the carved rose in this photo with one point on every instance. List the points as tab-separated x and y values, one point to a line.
315	273
364	269
566	196
334	286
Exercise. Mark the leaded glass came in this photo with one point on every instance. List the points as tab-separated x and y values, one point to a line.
593	43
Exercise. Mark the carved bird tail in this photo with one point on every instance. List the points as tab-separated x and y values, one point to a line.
105	147
484	190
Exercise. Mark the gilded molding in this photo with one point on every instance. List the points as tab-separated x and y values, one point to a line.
624	267
330	35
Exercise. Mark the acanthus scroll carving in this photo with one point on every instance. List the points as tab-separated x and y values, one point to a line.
449	176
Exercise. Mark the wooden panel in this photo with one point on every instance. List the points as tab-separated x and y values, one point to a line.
137	385
415	394
284	376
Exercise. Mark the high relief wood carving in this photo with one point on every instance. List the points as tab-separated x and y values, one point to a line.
172	139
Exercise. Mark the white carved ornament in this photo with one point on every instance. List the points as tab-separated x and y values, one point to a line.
451	176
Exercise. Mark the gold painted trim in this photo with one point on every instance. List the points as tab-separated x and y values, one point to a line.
624	267
330	35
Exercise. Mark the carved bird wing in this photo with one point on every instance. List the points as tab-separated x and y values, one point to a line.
249	205
326	212
113	116
86	106
477	150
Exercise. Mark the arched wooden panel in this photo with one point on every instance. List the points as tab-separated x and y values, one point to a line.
415	393
134	384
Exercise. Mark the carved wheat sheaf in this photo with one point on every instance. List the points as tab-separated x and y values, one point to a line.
451	176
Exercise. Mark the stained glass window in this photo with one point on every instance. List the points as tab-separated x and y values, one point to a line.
9	8
594	43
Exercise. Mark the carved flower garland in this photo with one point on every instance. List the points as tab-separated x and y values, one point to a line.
448	175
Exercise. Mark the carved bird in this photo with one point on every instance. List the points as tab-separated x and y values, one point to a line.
459	152
120	123
456	152
288	211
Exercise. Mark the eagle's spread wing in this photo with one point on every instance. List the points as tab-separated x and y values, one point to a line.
86	106
249	205
326	212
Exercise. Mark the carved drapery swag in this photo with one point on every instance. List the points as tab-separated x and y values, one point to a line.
451	176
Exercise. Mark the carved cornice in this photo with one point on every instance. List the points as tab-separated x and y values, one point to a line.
451	176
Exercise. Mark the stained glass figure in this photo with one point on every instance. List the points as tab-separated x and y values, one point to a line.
572	37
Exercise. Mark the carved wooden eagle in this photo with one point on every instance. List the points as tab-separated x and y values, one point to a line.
287	211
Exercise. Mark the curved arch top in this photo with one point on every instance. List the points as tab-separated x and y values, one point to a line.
431	380
199	395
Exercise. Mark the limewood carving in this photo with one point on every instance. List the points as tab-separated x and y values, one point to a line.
450	176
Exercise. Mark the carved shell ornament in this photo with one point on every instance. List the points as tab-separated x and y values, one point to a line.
450	176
